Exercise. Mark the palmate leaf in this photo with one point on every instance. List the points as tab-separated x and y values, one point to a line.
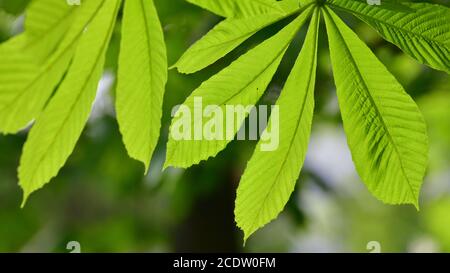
241	83
238	8
424	34
53	137
24	92
142	77
270	176
385	130
225	37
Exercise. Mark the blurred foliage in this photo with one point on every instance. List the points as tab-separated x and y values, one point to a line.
102	199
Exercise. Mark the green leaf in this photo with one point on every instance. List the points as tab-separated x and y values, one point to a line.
46	23
223	38
270	176
43	15
385	130
242	83
423	34
24	92
238	8
141	79
15	68
53	137
394	5
290	5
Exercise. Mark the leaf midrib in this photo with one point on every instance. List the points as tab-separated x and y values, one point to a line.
149	54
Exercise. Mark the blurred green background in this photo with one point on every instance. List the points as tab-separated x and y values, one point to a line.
102	199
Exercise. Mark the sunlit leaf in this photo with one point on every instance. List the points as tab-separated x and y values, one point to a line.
24	92
270	176
424	34
53	137
238	8
242	83
385	130
142	77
